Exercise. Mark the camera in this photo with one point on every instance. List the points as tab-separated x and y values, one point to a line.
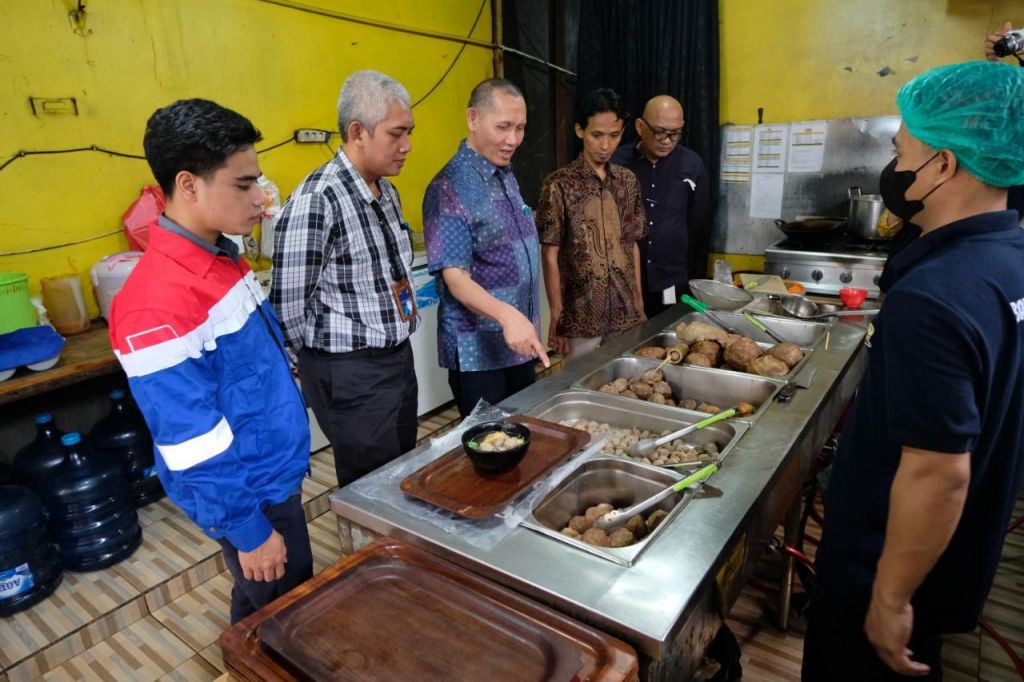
1011	43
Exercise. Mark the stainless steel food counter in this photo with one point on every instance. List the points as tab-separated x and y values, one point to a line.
669	603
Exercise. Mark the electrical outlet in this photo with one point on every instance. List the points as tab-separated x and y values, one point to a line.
54	105
311	136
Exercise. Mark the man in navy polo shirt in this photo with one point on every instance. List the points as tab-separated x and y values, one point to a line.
931	461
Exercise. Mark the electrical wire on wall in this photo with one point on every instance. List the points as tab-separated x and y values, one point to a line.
455	61
464	43
97	149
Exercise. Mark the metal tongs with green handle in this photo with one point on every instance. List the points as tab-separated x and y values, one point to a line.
618	517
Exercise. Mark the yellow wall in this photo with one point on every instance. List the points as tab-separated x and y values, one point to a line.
815	59
280	67
791	56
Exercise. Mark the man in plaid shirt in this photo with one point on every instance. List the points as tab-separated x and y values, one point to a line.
342	282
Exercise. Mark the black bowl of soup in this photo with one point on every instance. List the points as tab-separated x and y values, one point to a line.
496	447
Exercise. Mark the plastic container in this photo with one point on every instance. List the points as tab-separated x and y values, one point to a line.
65	304
108	276
91	517
852	297
123	436
41	455
16	309
30	569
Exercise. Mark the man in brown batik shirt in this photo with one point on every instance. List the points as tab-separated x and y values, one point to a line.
590	217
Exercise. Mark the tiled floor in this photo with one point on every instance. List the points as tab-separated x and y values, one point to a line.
770	654
157	616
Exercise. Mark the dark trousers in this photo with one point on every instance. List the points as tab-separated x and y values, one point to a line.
836	648
493	385
653	301
365	403
249	596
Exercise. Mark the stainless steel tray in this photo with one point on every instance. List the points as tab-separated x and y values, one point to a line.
720	387
623	413
618	482
803	333
668	339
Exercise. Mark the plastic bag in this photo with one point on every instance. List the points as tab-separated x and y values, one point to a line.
271	209
146	209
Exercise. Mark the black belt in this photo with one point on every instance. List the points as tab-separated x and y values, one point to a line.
360	353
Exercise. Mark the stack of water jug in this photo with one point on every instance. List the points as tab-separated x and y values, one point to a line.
74	502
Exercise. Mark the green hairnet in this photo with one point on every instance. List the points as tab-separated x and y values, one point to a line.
975	110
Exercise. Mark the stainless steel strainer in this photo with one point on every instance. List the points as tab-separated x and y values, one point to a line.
718	295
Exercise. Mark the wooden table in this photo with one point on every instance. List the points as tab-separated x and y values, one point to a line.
85	356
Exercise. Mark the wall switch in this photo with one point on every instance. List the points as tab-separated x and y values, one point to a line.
54	105
311	136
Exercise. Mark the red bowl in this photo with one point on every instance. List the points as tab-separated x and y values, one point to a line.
852	297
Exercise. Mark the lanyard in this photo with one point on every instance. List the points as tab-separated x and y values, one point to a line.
397	270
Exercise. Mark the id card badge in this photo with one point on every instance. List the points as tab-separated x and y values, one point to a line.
668	296
405	299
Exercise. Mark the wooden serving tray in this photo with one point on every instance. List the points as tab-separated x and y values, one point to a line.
394	613
450	481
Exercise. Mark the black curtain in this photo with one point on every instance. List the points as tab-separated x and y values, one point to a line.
643	48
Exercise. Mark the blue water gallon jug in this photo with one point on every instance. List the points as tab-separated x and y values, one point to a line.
123	435
29	567
42	454
91	515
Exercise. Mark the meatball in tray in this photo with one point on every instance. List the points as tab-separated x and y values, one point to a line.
686	386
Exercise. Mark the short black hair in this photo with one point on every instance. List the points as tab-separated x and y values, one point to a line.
194	135
600	101
483	93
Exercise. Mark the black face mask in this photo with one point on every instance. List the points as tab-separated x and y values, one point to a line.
893	186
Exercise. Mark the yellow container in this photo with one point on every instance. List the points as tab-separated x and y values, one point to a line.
65	304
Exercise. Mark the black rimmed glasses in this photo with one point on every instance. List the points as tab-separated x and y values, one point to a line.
664	134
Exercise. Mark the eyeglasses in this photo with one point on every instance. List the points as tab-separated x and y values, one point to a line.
663	134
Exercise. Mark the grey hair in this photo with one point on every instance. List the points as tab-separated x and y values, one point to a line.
365	97
483	94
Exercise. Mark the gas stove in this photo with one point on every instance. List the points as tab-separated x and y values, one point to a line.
824	266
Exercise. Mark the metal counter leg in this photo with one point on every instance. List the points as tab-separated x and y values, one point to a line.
791	529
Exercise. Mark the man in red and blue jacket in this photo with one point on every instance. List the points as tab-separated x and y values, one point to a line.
205	358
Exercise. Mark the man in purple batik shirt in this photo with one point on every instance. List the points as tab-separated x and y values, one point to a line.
482	246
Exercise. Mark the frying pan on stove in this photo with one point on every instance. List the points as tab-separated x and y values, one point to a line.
810	227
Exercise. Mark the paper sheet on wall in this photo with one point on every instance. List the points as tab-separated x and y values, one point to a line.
806	146
738	143
770	143
766	195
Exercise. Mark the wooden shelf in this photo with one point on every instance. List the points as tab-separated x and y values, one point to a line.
85	356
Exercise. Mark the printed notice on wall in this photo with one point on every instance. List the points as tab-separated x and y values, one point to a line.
770	142
766	195
738	145
806	146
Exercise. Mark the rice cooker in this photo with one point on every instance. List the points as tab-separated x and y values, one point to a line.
109	275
